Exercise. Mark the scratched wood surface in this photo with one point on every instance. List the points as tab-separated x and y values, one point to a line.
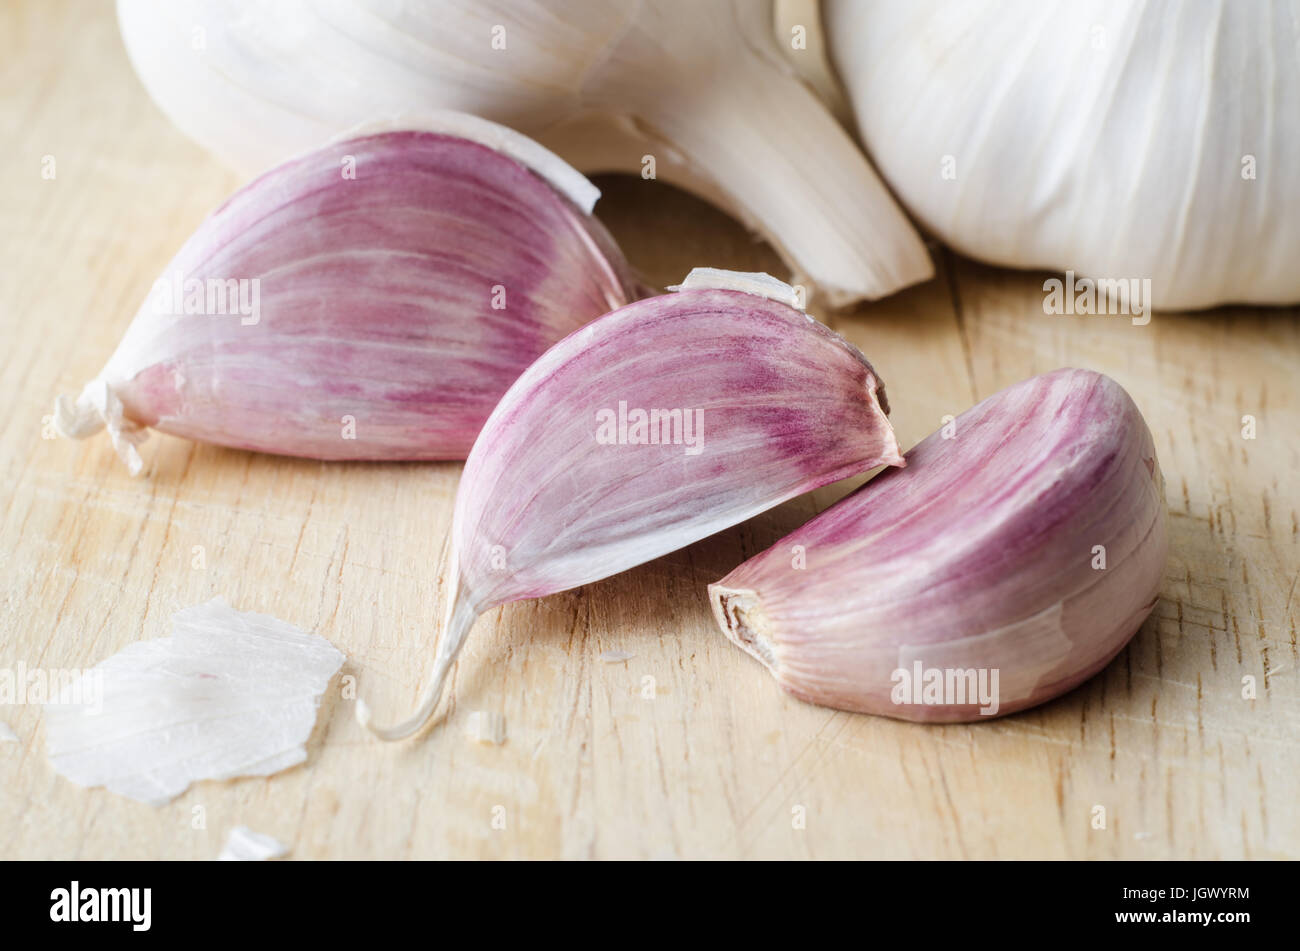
719	763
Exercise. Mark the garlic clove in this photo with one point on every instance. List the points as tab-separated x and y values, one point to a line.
648	429
371	299
701	90
1026	543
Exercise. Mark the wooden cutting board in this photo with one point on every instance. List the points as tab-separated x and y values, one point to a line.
717	763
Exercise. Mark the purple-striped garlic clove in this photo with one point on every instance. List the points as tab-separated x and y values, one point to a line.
650	428
372	299
1016	554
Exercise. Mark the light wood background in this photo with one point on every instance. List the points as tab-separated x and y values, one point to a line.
716	764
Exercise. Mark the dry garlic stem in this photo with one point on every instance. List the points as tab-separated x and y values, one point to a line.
697	93
371	299
1016	554
648	429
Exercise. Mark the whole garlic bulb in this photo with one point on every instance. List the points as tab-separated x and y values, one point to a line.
695	93
1121	140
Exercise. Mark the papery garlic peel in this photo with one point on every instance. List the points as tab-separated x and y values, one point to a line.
229	693
245	845
755	403
695	93
1127	142
1029	539
372	299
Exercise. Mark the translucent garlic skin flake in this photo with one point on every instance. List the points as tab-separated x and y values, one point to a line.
245	845
230	693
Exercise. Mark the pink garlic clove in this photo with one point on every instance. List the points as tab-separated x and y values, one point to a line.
649	429
372	299
1025	543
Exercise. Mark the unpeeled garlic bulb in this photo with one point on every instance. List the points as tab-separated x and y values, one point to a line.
648	429
695	93
371	299
1124	141
1019	550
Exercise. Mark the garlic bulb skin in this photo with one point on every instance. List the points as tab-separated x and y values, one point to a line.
228	693
701	90
372	299
1152	140
1027	541
650	428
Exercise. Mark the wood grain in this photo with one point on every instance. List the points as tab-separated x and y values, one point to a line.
717	763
